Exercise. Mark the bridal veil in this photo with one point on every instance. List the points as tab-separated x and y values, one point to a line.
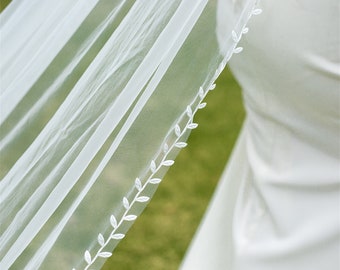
97	98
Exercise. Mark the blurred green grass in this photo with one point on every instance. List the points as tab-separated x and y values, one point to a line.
159	238
3	4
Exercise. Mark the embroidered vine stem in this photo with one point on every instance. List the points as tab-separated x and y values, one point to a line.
151	180
154	168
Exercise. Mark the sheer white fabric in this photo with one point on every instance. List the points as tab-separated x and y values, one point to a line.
278	203
97	97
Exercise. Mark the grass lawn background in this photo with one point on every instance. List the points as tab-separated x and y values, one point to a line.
160	236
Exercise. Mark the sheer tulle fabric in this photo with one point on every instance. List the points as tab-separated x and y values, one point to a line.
97	98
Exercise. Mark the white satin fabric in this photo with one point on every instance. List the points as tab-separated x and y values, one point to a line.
278	203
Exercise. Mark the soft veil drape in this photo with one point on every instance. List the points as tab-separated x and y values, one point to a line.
97	98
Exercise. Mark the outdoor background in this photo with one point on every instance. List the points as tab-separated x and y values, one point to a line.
160	236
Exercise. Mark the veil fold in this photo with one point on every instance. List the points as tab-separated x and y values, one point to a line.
97	98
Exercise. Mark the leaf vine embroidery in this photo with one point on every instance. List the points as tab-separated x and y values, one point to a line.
138	198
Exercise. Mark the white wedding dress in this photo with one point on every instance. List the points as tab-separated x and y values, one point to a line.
277	206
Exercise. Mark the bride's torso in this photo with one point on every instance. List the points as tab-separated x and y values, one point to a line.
290	74
277	204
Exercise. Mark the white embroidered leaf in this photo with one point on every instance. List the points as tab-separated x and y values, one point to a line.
238	50
189	111
212	87
257	11
101	240
201	93
153	166
87	257
113	221
192	126
177	130
142	199
202	105
126	203
118	236
155	181
168	162
138	184
130	217
105	254
245	30
180	144
165	148
234	36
